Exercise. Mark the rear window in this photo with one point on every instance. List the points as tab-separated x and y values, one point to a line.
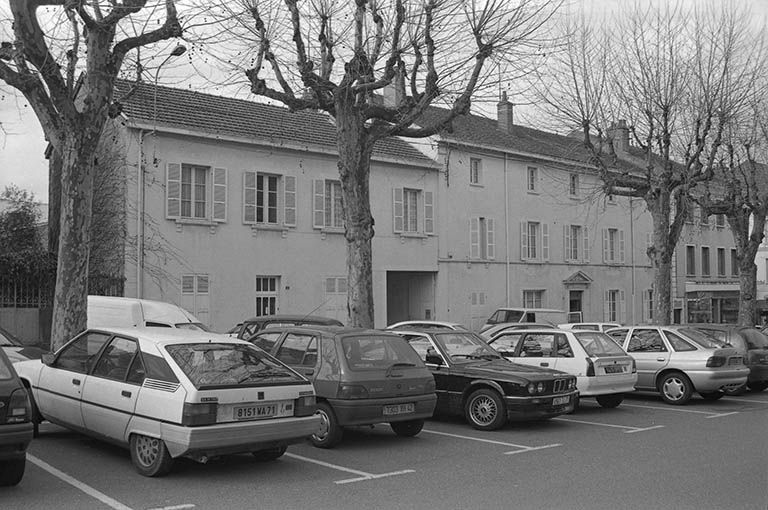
704	340
755	339
210	365
195	326
599	344
374	352
5	369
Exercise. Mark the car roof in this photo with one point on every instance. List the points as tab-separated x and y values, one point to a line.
425	322
294	317
168	336
530	309
327	329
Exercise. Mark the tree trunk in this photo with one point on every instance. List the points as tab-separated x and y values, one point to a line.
747	292
661	256
355	149
54	200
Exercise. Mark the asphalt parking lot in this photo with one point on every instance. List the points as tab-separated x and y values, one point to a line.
643	454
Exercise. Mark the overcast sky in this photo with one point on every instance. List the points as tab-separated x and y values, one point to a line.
22	143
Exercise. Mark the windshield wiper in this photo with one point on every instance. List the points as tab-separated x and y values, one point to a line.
399	364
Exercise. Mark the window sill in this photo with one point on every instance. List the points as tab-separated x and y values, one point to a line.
476	185
182	222
533	192
266	227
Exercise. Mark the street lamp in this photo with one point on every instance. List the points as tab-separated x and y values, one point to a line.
180	49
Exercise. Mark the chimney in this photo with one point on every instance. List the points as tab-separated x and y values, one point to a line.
504	114
619	133
392	97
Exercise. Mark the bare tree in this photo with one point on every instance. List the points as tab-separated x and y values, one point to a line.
677	76
337	56
73	112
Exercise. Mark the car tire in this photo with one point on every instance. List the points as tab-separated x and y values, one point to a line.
150	456
737	391
408	428
485	410
270	454
675	388
610	401
758	386
330	432
712	395
12	471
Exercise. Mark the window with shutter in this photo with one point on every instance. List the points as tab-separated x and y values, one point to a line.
220	194
398	210
474	238
318	201
490	238
429	213
173	191
545	241
289	201
249	197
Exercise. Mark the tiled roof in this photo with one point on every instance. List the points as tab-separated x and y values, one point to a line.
218	115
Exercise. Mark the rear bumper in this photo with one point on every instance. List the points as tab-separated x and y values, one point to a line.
14	440
240	437
714	380
370	411
606	384
536	408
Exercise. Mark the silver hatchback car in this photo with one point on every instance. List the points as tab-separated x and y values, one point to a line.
678	360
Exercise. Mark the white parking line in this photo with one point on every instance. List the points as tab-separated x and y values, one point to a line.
722	414
112	503
521	448
630	430
362	475
174	507
739	399
672	408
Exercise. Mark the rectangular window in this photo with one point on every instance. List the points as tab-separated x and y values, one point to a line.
335	304
573	185
705	261
475	171
648	305
327	209
533	298
195	192
534	241
267	292
720	220
734	263
690	261
721	262
410	210
613	246
267	197
482	238
576	242
533	179
413	211
613	307
703	217
195	291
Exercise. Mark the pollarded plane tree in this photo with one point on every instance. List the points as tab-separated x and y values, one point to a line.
337	56
652	92
64	57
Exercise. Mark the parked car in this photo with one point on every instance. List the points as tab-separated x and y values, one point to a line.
362	377
425	324
678	360
168	393
750	341
591	326
602	369
250	327
16	349
510	326
124	312
15	424
475	381
545	315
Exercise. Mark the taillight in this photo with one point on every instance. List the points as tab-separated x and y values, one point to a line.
716	361
430	387
634	366
199	414
305	406
352	391
19	410
590	368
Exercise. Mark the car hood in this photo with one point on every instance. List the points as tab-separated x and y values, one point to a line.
503	369
22	353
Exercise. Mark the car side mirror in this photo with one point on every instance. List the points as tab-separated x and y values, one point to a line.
48	358
433	357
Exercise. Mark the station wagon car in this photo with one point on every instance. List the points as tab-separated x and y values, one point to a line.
168	393
15	424
475	381
362	377
249	327
602	369
679	360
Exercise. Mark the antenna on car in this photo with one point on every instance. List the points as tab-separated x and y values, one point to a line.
315	309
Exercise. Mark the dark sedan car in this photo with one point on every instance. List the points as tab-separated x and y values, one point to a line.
752	342
475	381
15	424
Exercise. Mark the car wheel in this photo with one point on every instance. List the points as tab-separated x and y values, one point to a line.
675	388
270	454
758	386
712	395
150	456
408	428
330	432
12	471
485	410
610	401
737	391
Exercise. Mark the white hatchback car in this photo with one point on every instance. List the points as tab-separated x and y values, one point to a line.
591	326
167	393
602	369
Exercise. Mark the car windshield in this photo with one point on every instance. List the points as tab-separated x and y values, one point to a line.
195	326
5	369
702	339
755	339
219	364
461	346
599	344
377	352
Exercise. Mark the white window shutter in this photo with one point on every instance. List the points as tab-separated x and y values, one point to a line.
523	240
173	191
220	195
397	210
474	238
606	307
646	302
621	246
318	197
491	238
567	243
585	244
249	197
622	318
605	245
545	241
429	213
289	200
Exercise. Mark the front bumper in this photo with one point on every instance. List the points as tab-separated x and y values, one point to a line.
536	408
369	411
14	439
239	437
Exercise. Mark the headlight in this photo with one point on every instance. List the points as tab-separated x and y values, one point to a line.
540	387
572	384
531	388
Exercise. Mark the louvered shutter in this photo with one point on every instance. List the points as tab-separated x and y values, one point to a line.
474	238
567	243
397	210
606	307
289	200
318	208
523	240
585	244
622	318
249	197
173	191
605	245
545	241
621	246
220	195
429	213
491	238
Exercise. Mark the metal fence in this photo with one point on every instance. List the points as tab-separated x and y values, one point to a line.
32	292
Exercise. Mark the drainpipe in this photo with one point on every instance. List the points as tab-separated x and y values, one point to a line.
506	230
140	218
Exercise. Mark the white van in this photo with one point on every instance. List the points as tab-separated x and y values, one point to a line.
107	311
540	315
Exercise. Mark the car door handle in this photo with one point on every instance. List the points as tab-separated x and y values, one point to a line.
544	364
126	393
661	359
311	371
76	382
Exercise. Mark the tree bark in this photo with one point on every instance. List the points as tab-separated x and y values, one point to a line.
54	199
747	292
661	253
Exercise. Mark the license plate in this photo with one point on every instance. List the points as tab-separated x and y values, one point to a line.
614	369
399	409
255	412
558	401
